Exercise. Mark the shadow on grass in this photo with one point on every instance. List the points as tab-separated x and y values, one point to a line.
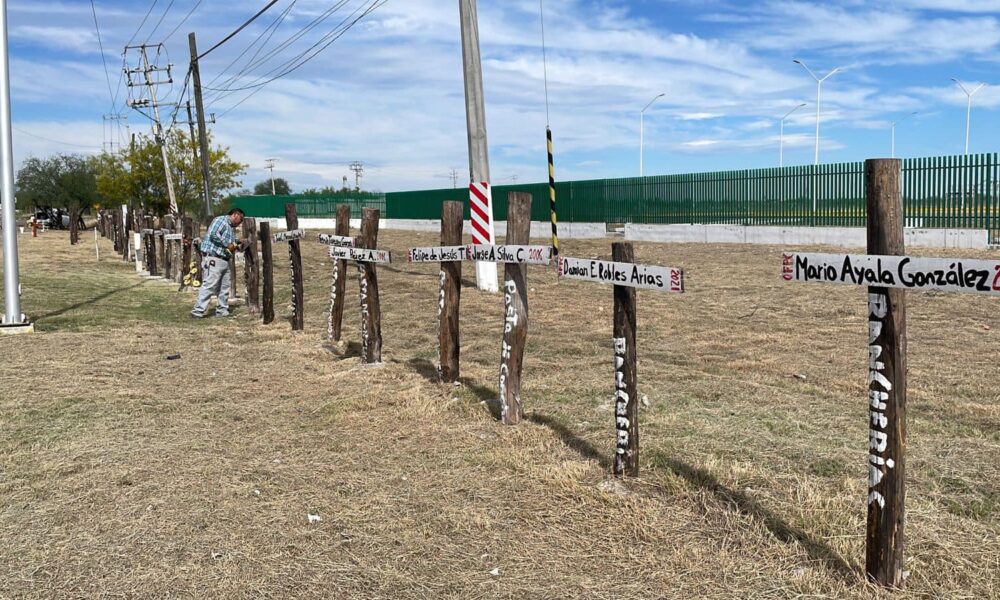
81	304
485	394
585	448
428	371
738	501
348	350
425	369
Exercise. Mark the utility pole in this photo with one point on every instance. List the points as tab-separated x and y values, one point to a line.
112	130
359	169
202	132
194	140
454	178
475	116
13	320
270	167
345	182
147	71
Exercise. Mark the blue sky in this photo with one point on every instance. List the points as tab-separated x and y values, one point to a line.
390	93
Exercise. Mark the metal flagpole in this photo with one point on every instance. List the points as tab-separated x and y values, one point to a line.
13	320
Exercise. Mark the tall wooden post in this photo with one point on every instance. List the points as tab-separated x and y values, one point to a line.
338	287
160	243
196	249
267	264
168	248
886	382
206	176
371	312
251	270
187	229
515	301
116	239
626	400
151	249
126	222
450	295
181	267
295	265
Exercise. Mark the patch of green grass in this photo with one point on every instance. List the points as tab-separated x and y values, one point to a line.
828	467
978	507
44	423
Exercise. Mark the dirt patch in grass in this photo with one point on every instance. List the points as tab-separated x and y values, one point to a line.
123	473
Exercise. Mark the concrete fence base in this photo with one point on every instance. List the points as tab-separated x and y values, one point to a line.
851	237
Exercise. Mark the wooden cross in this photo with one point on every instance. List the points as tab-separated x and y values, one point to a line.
625	276
888	273
450	254
337	288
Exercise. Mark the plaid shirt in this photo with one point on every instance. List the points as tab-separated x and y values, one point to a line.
220	235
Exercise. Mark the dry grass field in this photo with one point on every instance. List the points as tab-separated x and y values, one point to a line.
127	475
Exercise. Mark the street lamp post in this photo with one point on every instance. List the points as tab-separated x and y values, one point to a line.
270	167
781	135
968	110
819	90
894	123
641	113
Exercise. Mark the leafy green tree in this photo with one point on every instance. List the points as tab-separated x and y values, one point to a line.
281	187
137	177
149	180
111	173
64	181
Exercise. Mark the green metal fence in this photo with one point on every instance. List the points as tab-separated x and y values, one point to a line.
939	192
951	191
307	206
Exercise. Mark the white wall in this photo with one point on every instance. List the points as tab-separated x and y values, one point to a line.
852	237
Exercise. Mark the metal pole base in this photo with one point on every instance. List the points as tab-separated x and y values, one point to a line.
17	329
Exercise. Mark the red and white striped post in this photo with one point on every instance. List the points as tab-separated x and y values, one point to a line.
481	219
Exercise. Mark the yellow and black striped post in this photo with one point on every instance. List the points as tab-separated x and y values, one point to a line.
552	194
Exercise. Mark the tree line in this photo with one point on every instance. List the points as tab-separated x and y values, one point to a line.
134	177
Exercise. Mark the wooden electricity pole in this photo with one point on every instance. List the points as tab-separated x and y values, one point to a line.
887	382
202	131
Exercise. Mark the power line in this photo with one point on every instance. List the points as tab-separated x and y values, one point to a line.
158	23
54	141
239	29
290	66
545	66
104	59
223	91
254	64
138	29
186	17
274	24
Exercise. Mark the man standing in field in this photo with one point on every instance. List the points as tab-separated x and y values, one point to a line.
217	246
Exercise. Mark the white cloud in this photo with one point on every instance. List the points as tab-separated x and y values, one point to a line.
697	116
76	39
390	92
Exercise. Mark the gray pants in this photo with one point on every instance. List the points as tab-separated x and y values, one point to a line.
216	280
